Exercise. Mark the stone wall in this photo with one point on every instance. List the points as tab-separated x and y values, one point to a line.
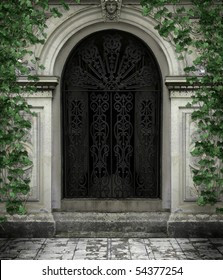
183	136
44	145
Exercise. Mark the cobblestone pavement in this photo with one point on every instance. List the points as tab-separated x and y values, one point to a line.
111	248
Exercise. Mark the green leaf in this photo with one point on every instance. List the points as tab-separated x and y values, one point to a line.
3	220
24	26
201	201
12	195
22	210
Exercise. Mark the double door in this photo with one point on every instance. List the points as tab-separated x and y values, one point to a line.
111	119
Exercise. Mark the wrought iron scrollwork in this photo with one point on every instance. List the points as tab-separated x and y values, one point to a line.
123	148
147	155
111	119
99	145
75	144
111	62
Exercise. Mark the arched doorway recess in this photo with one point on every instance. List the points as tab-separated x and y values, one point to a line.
111	119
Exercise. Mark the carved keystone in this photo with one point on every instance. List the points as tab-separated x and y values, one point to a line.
111	9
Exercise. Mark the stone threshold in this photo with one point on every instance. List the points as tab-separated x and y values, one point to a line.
38	225
120	225
195	225
129	224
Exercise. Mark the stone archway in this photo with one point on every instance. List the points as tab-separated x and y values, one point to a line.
62	40
175	193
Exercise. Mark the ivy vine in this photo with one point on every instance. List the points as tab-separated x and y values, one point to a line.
22	25
197	29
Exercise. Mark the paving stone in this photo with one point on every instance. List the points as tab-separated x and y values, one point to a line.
138	249
174	244
59	242
149	251
182	240
25	246
220	249
27	255
97	249
187	247
198	239
162	247
96	256
180	256
3	242
49	257
67	256
112	248
203	245
79	255
120	256
210	255
9	256
97	245
193	255
120	249
5	257
163	256
53	250
216	240
81	249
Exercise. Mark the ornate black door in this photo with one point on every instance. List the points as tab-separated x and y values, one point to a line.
111	119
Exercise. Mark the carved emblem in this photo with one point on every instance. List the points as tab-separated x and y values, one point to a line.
111	9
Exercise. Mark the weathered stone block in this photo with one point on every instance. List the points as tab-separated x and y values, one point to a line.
34	225
197	225
111	224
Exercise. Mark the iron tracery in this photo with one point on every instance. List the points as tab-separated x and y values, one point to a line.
111	99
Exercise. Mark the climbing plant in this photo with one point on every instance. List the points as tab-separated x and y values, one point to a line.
22	25
193	29
197	29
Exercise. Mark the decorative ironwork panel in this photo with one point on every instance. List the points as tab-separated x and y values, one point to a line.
99	145
111	61
147	142
123	182
111	101
76	144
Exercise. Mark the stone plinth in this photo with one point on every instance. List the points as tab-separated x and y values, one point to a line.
195	225
71	224
33	225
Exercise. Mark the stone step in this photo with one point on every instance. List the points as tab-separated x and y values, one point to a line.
35	225
206	225
93	224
